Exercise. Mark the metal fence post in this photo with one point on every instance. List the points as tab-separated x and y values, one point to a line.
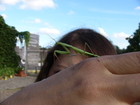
26	61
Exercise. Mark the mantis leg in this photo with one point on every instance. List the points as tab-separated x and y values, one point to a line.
88	48
87	53
61	52
64	52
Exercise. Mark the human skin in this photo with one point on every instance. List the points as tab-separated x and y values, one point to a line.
106	80
66	60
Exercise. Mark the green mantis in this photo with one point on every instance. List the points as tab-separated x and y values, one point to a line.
67	47
77	50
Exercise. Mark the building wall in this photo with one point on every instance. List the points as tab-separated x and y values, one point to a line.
33	52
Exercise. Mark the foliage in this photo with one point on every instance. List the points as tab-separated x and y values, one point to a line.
8	56
24	35
45	48
7	72
19	68
120	51
9	60
134	41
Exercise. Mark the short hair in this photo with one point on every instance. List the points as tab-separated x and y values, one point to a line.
97	42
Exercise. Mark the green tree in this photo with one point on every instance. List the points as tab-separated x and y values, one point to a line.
24	35
134	41
120	51
8	34
8	39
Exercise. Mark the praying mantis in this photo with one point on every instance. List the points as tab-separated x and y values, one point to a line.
67	47
77	50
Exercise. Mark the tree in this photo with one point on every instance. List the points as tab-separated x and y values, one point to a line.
8	56
134	41
8	39
120	51
24	35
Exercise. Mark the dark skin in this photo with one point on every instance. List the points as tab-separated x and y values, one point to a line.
106	80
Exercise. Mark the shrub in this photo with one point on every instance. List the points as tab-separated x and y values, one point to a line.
6	73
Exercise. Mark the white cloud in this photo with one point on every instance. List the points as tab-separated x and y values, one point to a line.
49	31
10	2
37	20
31	4
4	16
137	8
37	4
122	44
71	12
121	35
101	31
34	21
2	8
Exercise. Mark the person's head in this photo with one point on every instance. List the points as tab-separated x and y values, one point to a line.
85	39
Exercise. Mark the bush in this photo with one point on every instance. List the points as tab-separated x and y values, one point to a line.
7	73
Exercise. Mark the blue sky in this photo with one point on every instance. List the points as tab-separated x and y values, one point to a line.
115	19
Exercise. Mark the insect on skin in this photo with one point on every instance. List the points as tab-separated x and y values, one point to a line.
77	50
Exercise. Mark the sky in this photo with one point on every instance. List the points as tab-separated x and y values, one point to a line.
115	19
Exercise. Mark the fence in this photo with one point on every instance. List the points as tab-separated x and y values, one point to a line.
34	61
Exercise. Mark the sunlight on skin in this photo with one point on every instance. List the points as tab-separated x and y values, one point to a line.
66	60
